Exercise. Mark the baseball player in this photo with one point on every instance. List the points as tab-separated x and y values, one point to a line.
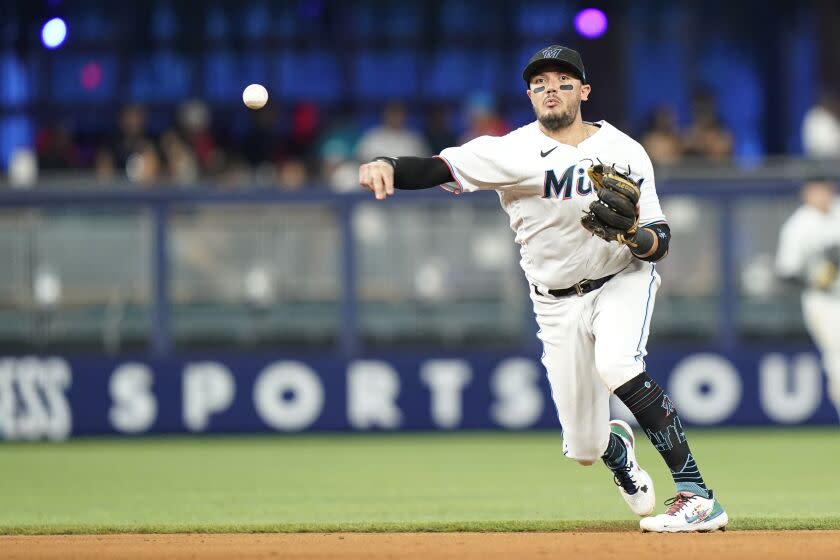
809	256
583	206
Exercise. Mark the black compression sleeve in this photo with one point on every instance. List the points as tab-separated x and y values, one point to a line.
645	242
412	173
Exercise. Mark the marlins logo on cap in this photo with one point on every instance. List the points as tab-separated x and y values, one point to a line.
552	52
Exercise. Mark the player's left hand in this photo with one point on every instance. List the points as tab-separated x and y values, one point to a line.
615	215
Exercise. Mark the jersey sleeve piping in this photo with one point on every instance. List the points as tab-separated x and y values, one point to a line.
455	186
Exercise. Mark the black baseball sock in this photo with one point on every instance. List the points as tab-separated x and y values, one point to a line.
658	418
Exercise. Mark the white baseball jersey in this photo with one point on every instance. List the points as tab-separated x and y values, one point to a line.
596	342
543	187
804	237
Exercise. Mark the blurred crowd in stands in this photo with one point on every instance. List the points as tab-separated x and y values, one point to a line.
319	149
706	137
285	149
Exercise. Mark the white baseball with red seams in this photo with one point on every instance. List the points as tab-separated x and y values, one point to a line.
596	342
255	96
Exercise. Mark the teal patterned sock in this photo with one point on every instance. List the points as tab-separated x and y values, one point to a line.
659	419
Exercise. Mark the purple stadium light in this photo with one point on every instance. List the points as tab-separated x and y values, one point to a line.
91	75
591	22
53	33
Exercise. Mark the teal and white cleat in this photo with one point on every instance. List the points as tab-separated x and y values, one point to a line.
688	512
634	484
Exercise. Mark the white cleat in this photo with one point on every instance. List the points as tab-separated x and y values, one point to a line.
634	484
688	513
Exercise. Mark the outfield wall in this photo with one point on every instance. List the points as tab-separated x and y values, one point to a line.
56	398
187	311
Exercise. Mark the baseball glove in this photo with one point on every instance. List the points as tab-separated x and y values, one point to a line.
825	268
613	216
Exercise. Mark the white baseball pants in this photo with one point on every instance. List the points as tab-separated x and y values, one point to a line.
822	318
592	345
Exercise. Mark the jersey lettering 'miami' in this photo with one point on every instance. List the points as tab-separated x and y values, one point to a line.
564	184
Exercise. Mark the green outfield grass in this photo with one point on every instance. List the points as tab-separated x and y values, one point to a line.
780	479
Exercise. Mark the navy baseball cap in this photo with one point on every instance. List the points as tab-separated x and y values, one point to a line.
555	54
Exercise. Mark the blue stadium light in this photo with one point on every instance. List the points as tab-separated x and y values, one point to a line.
54	33
591	23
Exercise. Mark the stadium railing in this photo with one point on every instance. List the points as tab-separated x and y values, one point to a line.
166	270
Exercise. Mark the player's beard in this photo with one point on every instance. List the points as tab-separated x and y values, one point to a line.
558	121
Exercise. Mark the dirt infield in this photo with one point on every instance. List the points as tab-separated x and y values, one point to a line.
812	545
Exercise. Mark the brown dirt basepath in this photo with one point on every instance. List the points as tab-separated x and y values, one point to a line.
812	545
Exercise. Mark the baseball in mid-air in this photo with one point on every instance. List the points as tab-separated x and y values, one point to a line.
255	96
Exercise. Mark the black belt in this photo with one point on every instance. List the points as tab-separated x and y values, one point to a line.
582	287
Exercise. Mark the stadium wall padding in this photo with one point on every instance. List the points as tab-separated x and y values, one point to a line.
54	397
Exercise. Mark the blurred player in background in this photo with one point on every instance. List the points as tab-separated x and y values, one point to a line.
809	256
588	256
